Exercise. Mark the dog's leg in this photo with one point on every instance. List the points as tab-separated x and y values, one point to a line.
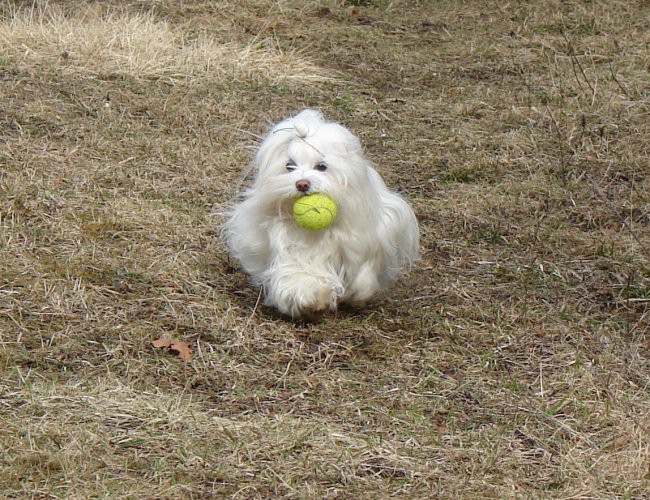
298	293
364	285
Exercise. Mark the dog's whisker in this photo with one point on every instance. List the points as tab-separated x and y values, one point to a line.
282	130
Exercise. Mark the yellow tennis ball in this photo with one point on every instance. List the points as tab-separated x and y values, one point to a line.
314	211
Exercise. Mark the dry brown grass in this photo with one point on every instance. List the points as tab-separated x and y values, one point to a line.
97	41
512	363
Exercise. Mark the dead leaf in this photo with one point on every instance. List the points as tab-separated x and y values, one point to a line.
178	347
183	349
162	343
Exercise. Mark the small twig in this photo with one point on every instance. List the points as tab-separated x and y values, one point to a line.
257	303
573	67
575	61
620	85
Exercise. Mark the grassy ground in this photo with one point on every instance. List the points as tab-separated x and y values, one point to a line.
513	361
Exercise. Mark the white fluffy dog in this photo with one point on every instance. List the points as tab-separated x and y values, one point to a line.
373	238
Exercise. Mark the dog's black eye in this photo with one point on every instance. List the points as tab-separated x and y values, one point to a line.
291	166
321	167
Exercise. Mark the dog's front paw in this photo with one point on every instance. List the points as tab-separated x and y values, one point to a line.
307	297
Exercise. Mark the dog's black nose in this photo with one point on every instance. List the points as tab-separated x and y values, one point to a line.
303	185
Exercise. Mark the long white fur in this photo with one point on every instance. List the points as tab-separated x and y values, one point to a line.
373	239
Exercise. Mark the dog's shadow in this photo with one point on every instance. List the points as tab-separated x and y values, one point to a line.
343	311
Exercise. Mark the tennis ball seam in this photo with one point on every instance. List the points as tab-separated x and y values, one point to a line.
315	209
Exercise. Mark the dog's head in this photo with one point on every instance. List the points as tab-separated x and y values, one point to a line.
306	154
